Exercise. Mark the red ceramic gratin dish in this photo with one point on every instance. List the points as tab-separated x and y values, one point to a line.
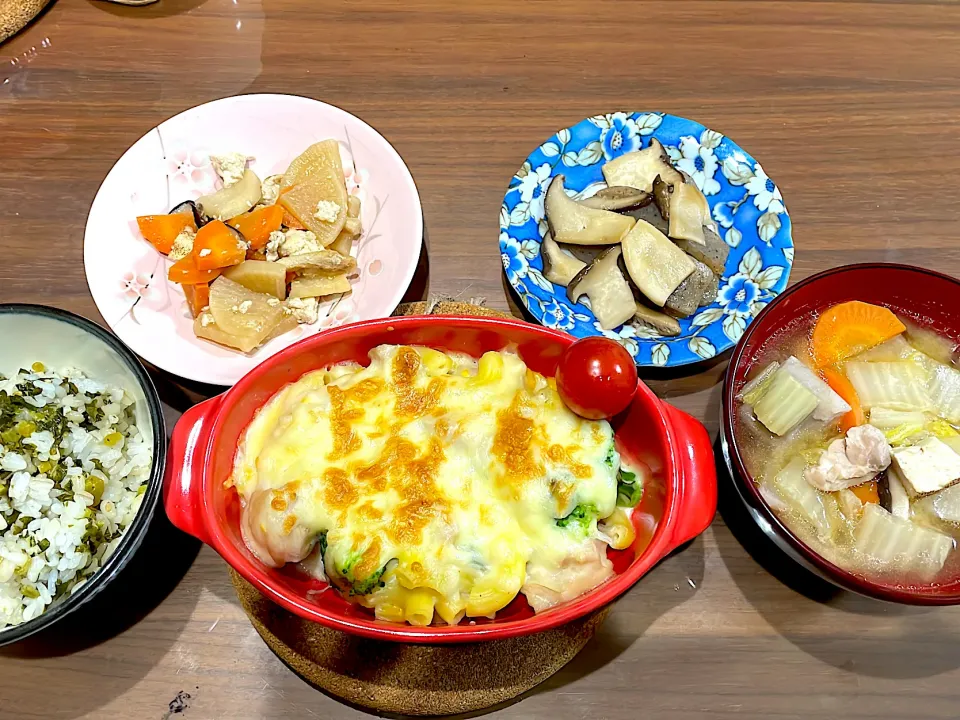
929	298
679	507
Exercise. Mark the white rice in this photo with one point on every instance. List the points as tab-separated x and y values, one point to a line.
63	437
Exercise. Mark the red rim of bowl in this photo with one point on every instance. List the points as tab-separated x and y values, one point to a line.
910	595
590	601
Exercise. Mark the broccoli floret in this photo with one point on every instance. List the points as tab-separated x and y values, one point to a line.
611	456
368	584
359	586
323	544
581	516
629	490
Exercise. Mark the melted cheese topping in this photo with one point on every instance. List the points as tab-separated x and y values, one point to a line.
430	482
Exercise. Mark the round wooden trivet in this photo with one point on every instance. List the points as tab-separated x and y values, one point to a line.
15	15
412	679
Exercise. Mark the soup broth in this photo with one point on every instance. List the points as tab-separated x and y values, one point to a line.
852	435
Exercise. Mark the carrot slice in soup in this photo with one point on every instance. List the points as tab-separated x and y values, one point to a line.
198	297
867	492
161	230
256	226
186	272
851	328
217	246
844	388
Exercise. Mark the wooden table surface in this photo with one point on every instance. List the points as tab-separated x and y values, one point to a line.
854	108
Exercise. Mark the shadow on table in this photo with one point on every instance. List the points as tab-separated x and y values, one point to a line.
672	582
878	639
152	574
164	8
419	288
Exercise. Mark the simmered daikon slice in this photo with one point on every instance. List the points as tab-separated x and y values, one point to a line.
243	312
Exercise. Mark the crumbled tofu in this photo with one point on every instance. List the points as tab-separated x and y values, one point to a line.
230	167
928	466
273	302
298	242
182	245
245	306
272	249
270	190
205	252
327	211
206	319
305	310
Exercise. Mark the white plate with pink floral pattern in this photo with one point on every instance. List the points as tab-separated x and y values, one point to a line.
170	164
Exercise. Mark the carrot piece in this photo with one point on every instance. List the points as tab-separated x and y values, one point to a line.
851	328
867	492
256	226
161	230
217	246
844	388
198	297
186	272
289	220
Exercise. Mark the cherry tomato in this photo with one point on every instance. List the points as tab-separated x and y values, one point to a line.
596	378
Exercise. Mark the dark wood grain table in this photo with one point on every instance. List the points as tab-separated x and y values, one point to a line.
854	108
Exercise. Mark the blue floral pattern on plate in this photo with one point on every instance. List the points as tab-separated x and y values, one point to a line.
746	205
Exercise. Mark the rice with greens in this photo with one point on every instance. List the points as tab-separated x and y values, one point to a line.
73	472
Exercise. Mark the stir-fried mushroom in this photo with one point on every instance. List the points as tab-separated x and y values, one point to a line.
618	198
611	298
639	169
684	207
558	267
655	264
574	223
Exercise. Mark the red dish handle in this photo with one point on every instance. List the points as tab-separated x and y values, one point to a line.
698	477
185	462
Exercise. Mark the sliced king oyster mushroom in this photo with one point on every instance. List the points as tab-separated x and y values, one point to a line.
559	267
656	266
638	169
617	198
572	222
611	298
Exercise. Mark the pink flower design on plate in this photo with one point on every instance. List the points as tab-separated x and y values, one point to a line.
184	167
135	284
355	178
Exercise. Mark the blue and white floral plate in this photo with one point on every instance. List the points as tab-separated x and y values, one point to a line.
746	205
